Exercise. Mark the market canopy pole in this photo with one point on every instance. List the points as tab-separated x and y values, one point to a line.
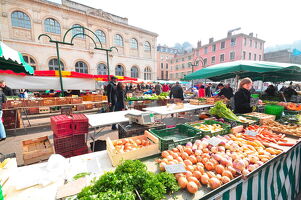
82	33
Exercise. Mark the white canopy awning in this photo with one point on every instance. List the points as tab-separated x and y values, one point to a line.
46	83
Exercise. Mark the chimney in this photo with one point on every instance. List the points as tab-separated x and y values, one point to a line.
251	34
210	40
199	44
229	34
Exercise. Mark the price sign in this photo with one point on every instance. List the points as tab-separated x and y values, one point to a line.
214	141
175	168
252	133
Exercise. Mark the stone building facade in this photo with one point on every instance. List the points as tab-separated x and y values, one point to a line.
282	56
164	55
23	21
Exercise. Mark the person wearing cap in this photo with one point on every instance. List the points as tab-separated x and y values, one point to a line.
224	92
112	96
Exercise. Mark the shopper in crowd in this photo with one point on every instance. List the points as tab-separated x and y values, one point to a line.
112	96
224	92
289	92
165	88
230	90
2	130
202	91
195	93
270	91
121	97
242	97
176	92
208	90
158	88
139	87
6	90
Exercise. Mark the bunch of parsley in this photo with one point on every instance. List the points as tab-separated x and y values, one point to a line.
130	178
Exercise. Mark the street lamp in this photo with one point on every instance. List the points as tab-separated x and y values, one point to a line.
71	43
195	63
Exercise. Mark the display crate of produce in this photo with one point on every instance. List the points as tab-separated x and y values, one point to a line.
117	156
81	151
126	130
274	110
88	97
33	111
9	113
32	103
181	134
76	100
98	105
199	101
97	97
69	143
44	110
36	150
79	124
80	107
48	102
61	125
262	116
250	120
291	112
221	129
14	103
89	106
104	98
62	101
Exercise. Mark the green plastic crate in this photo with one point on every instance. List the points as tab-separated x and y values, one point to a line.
274	110
255	96
178	135
255	119
211	122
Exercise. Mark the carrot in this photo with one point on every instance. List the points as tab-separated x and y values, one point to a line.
286	144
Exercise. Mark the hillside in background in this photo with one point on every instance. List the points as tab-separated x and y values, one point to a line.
296	44
186	46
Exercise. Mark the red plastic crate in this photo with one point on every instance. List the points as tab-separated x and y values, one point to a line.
69	143
61	125
66	154
79	124
80	151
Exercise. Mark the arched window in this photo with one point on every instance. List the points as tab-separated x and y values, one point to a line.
81	67
147	46
30	60
102	69
20	19
101	35
134	72
147	73
78	30
119	71
134	43
53	64
118	40
52	26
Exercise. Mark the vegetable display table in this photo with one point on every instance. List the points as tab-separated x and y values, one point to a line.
99	121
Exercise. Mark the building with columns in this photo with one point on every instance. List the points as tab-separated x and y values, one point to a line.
23	21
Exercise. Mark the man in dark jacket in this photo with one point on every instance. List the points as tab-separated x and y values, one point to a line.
177	92
112	96
6	90
2	130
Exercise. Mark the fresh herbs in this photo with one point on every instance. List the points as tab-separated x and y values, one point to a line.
128	177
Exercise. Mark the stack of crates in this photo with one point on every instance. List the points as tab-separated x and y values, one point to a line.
70	134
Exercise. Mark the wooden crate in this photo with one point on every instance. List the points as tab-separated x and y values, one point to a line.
117	158
104	98
262	116
62	100
36	150
44	110
88	97
77	100
32	111
48	102
97	97
89	106
80	107
14	103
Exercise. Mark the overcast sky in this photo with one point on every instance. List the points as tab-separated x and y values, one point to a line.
275	21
